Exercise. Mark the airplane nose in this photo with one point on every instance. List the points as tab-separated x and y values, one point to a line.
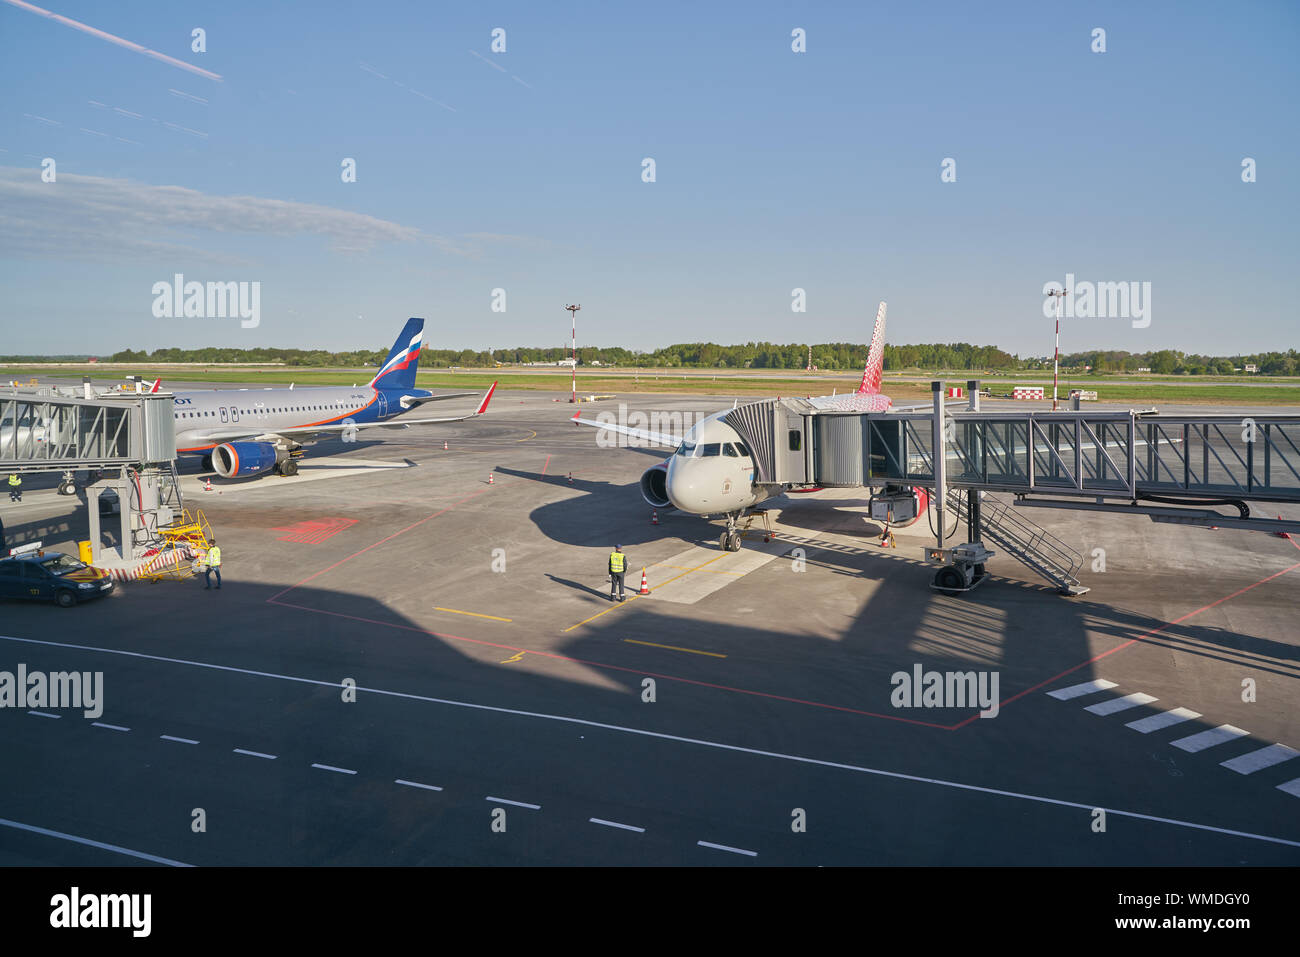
684	488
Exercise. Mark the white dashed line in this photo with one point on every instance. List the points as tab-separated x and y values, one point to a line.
1259	760
1120	704
1208	739
141	855
168	737
534	807
723	847
1291	787
327	767
255	754
680	739
417	784
626	827
44	714
1078	691
111	727
1164	720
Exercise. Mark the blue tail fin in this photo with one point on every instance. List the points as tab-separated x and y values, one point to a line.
398	370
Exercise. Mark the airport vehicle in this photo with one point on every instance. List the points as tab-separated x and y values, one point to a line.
712	472
39	575
248	432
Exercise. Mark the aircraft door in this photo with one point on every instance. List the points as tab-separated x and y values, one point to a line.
223	413
383	406
234	414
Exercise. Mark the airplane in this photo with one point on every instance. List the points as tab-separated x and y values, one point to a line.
248	432
712	472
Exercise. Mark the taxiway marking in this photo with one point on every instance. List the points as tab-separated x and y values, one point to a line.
626	827
1076	691
417	784
635	597
44	714
330	767
111	727
1120	704
1164	720
674	648
1259	760
141	855
472	614
723	847
1208	739
700	742
255	754
497	800
168	737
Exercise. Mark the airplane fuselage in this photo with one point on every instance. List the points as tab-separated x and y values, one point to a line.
259	412
712	472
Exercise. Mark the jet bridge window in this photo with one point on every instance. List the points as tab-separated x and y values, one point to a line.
796	440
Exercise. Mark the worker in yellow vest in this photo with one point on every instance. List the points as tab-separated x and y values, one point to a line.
617	566
15	487
213	565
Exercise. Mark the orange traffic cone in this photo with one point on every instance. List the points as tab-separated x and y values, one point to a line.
645	584
570	478
654	517
490	482
208	486
1282	534
444	445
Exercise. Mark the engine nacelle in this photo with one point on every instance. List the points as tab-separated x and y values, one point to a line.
654	486
238	459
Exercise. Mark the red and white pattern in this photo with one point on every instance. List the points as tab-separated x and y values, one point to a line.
1027	392
154	564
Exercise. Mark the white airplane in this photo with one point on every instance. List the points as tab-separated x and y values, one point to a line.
247	432
712	472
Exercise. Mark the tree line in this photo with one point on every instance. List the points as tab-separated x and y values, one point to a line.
833	356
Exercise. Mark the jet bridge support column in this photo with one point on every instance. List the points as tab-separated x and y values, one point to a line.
939	455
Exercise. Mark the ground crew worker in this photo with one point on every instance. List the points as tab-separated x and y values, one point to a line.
15	487
213	565
617	566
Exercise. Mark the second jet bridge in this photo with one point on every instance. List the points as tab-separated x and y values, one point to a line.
1090	454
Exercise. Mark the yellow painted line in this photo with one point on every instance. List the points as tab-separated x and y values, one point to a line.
457	611
674	648
518	657
531	435
634	597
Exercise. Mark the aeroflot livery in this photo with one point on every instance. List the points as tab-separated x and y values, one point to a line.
250	431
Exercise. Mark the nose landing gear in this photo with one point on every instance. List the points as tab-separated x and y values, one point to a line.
729	541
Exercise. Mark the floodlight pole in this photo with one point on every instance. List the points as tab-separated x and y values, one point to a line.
1056	357
573	314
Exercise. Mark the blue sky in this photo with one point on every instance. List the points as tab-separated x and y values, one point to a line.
774	170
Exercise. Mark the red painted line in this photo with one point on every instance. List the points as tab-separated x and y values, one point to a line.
598	664
389	538
546	464
1134	641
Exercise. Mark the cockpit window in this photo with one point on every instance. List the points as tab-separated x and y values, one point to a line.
686	450
713	448
729	450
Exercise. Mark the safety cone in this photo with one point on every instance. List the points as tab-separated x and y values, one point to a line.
444	445
645	584
490	481
1282	534
570	478
654	517
208	486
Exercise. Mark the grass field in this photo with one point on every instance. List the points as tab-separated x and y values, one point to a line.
910	386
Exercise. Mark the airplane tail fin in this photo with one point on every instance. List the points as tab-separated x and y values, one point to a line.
398	370
871	376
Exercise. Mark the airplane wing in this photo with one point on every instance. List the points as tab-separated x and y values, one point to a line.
645	435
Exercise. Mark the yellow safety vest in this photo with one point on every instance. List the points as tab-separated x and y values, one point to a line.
214	557
15	480
617	562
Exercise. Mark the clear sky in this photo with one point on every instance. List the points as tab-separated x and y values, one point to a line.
774	170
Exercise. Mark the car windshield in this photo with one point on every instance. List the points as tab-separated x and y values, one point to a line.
62	564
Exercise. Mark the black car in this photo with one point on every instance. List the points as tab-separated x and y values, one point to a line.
52	576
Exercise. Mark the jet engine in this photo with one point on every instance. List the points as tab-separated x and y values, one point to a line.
654	486
237	459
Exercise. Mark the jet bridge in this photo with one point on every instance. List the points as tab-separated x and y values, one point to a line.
130	433
1127	461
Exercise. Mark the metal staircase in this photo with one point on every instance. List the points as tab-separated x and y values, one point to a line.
1029	543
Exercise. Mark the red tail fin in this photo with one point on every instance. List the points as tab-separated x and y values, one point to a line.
871	376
